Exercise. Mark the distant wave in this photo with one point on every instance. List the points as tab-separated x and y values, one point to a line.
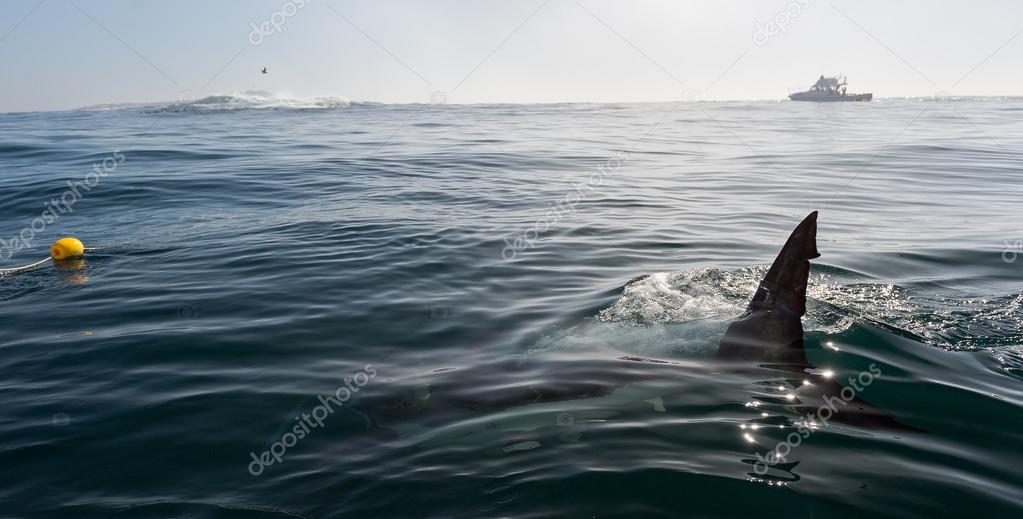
256	99
947	97
247	100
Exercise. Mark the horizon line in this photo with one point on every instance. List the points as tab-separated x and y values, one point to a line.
141	104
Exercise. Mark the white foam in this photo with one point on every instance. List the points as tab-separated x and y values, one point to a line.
256	99
676	297
663	308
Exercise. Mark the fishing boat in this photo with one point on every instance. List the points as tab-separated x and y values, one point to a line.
829	89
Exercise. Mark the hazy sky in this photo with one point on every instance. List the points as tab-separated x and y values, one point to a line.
59	54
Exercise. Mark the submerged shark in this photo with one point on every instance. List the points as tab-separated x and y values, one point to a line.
517	396
767	337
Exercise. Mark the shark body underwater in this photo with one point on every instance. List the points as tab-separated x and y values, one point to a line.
767	339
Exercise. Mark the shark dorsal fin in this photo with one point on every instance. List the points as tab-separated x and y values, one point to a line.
785	282
771	330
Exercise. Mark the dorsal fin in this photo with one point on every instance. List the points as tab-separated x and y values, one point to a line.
771	330
785	283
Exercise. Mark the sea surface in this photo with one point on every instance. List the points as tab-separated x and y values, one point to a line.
395	281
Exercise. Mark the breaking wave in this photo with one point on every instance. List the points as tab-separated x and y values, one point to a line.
255	99
247	100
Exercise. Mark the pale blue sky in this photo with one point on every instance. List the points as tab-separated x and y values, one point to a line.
61	54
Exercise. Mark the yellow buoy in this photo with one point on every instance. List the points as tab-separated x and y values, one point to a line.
66	248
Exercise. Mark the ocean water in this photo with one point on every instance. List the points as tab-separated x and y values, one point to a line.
453	304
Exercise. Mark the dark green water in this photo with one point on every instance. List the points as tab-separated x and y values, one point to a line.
475	272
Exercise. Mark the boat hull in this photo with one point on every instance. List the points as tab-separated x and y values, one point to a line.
818	98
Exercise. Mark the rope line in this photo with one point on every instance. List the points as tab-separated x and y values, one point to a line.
12	270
